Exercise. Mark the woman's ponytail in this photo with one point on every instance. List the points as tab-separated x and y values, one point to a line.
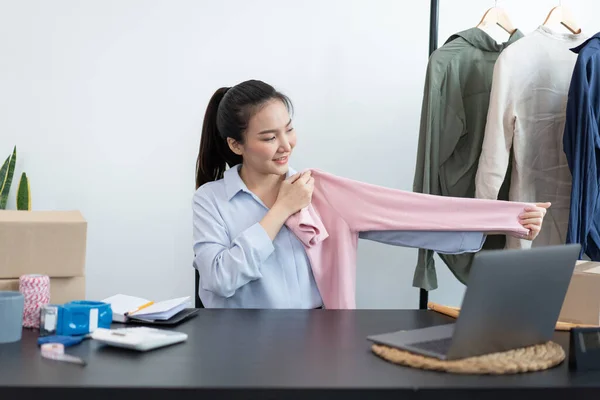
227	116
214	153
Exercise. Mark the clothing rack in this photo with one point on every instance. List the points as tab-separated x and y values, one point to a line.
433	43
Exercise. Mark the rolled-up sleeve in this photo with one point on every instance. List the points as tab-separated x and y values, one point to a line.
443	242
225	264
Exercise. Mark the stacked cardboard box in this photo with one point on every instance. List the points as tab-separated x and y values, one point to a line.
51	243
582	302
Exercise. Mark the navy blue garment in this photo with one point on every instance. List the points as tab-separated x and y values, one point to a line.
581	143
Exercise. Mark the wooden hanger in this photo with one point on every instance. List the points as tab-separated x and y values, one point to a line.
562	15
498	16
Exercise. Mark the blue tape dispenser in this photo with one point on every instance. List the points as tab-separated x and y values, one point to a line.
78	317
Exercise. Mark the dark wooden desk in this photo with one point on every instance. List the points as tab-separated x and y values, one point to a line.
269	354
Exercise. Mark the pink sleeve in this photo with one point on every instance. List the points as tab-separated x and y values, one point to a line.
308	226
367	207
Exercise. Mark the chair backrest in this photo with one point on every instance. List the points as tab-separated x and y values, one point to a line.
198	302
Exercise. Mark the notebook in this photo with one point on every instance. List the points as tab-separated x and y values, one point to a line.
144	309
176	319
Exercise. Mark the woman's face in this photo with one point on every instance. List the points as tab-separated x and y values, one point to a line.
268	141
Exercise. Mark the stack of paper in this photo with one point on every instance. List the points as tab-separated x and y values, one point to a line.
163	310
124	306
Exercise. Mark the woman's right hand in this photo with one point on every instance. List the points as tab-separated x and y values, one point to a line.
295	192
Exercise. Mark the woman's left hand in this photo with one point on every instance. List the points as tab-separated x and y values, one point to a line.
532	219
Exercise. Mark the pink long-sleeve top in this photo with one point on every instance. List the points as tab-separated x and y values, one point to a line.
341	208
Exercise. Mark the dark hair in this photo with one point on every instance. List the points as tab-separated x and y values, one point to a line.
227	115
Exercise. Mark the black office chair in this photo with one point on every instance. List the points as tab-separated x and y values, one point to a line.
197	297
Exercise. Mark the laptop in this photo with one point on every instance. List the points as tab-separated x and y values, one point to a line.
513	300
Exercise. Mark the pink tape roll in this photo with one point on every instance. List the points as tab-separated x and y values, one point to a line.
36	291
56	351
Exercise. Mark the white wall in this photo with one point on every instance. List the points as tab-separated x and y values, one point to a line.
105	100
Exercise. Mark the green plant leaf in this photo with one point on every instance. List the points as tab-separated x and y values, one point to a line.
3	174
8	180
23	194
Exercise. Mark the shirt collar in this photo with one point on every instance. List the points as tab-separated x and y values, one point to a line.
582	45
480	39
234	183
543	29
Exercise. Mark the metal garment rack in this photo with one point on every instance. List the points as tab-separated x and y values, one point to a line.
433	43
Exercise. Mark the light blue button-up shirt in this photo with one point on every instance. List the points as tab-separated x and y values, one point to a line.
240	267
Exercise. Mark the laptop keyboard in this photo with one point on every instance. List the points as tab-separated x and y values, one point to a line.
436	346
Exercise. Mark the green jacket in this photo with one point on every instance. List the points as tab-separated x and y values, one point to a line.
453	116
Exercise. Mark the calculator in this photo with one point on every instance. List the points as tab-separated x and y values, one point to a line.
138	338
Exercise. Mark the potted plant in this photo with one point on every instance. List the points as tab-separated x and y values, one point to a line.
6	177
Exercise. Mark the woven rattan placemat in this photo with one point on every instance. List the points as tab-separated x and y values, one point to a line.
527	359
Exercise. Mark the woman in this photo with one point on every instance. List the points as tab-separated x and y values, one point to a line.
246	256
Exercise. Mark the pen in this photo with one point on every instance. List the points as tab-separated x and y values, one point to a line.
139	308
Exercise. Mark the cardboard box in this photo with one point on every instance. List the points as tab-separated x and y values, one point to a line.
62	290
582	302
51	243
